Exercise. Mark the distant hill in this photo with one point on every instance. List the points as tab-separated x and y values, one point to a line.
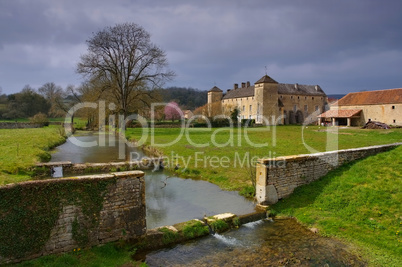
335	96
187	98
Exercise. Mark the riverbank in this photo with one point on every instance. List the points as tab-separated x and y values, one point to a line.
22	148
359	203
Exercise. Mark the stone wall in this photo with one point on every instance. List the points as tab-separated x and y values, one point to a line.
45	169
277	178
19	125
122	213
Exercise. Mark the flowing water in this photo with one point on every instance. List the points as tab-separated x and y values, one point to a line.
169	199
282	242
172	200
108	152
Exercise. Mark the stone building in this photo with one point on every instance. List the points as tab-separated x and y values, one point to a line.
270	102
355	109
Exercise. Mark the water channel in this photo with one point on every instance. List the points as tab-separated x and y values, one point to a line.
171	200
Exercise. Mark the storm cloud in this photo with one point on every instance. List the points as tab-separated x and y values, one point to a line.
343	46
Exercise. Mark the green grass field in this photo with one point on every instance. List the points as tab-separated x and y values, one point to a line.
359	202
22	148
225	164
102	256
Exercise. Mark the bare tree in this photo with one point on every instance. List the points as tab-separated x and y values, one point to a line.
54	94
126	64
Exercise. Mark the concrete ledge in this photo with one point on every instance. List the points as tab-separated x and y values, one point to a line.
45	169
156	238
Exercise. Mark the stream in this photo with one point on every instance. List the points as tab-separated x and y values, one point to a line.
282	242
170	200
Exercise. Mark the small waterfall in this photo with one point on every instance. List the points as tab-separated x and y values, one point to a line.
252	225
230	241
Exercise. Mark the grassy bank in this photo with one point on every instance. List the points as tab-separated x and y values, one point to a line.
221	155
360	203
22	148
106	255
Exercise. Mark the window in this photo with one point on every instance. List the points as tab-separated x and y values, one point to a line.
298	97
393	107
316	108
250	108
312	98
394	121
294	108
244	108
281	97
305	109
291	97
305	98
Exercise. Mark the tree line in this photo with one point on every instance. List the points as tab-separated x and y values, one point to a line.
54	101
185	97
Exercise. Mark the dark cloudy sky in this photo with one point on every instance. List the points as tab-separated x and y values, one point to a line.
341	45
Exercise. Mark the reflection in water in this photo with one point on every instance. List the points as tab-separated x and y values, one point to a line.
95	154
185	199
280	243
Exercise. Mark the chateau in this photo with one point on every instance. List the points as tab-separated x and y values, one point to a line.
270	102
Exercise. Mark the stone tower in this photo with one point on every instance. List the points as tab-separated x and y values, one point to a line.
214	95
266	97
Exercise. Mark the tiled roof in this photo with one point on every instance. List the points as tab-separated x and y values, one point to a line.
266	79
240	92
215	89
389	96
300	89
340	113
308	90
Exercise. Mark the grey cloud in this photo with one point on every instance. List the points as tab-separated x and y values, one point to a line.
341	45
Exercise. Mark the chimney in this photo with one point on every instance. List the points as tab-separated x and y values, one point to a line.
248	83
296	86
316	87
235	86
243	85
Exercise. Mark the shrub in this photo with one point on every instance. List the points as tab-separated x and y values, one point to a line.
40	118
248	122
223	122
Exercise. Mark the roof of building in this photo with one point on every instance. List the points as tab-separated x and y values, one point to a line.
283	88
266	79
388	96
239	92
300	89
215	89
340	113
